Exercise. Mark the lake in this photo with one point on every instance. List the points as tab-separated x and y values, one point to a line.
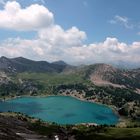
61	109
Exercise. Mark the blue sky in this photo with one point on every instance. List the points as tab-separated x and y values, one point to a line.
113	25
91	16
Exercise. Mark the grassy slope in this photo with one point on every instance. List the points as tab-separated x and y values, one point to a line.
107	133
123	132
90	133
52	79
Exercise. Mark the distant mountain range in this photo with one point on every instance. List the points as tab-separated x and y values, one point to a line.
99	74
21	64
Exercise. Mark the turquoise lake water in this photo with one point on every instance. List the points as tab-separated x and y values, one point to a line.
61	109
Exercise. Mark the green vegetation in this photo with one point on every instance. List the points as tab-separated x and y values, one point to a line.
83	132
51	78
126	101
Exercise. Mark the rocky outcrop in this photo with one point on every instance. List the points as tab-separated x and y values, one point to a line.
16	128
107	75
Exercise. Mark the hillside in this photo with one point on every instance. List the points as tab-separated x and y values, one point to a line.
21	64
99	82
107	75
15	126
4	78
99	74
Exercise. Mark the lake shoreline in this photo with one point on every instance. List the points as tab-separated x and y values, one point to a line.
113	108
78	98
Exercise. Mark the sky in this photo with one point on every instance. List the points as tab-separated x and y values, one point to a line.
76	31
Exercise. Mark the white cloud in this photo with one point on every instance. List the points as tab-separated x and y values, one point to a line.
52	42
33	17
111	50
124	21
56	36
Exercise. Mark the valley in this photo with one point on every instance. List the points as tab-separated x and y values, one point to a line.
99	83
69	70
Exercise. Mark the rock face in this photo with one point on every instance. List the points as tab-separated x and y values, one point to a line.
4	79
14	128
104	75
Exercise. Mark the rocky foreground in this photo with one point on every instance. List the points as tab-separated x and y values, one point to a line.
19	127
16	126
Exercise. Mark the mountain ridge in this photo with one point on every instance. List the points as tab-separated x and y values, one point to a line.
21	64
99	74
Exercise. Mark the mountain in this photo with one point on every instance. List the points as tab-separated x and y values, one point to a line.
60	62
21	64
126	64
60	65
104	75
100	74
